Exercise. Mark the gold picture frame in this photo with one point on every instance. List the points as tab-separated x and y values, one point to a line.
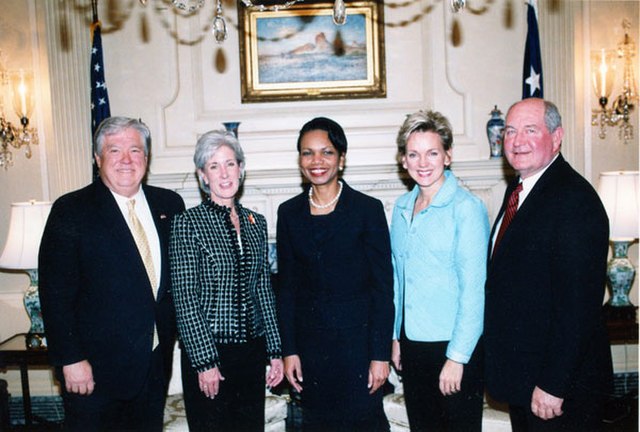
300	54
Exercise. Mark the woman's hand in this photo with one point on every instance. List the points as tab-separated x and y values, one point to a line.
276	372
209	382
378	373
395	354
451	377
293	371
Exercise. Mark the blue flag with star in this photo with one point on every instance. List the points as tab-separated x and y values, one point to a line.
99	96
532	69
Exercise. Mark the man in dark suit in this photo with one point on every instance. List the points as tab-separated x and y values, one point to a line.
104	288
547	352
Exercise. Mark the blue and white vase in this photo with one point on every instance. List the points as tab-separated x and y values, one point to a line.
495	130
232	127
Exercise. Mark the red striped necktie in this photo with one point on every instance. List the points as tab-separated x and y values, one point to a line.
510	212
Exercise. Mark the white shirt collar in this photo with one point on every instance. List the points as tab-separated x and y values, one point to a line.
529	182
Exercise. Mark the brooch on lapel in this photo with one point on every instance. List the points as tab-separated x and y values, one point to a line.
163	216
251	219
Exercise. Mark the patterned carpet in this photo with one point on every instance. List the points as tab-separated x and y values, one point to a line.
48	408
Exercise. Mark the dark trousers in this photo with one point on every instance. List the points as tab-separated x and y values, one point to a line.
377	423
102	412
239	404
427	408
583	414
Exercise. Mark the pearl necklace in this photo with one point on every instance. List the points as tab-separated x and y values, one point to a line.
327	205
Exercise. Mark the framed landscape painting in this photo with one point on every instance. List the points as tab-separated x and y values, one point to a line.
300	54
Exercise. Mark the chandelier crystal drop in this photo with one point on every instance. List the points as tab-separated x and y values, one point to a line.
457	5
219	25
339	12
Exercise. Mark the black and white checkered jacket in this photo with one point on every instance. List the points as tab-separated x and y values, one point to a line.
222	291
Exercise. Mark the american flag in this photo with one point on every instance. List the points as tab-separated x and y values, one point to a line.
99	95
532	69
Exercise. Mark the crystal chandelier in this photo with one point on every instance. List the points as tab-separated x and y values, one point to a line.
603	68
219	25
21	84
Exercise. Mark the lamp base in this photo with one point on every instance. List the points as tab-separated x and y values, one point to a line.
619	313
35	341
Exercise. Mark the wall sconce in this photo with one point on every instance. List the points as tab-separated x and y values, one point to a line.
21	84
21	253
603	71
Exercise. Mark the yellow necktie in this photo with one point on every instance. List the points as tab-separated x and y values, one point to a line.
142	243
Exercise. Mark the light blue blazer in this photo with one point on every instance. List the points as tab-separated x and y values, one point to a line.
439	260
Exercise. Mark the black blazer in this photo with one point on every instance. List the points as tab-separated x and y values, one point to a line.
342	280
544	292
96	300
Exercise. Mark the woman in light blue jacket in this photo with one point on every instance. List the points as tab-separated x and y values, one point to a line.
439	236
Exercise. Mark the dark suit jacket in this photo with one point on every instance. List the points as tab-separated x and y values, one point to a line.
544	292
344	280
335	302
96	300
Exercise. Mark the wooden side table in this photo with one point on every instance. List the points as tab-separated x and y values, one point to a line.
621	325
14	353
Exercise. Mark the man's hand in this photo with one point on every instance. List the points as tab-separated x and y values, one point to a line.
545	405
78	377
293	371
378	373
209	382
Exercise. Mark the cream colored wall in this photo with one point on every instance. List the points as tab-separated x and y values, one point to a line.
611	154
22	181
460	64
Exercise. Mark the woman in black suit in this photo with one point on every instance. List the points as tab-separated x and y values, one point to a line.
225	306
336	290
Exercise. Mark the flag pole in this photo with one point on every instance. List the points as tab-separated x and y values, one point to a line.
99	95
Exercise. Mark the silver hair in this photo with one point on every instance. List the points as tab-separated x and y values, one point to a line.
208	144
552	117
114	125
424	121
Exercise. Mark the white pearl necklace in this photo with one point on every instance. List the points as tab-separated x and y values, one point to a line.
327	205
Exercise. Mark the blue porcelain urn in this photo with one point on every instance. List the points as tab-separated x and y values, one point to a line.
495	130
232	127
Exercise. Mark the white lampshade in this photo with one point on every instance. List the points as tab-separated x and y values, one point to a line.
618	191
25	232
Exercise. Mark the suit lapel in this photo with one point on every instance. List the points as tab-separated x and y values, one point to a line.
123	241
112	218
534	200
302	224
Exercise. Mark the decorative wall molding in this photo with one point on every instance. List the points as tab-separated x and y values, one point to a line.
68	147
562	65
199	98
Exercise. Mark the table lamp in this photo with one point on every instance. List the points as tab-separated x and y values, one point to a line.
618	191
21	253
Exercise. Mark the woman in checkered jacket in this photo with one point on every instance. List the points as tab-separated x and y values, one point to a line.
223	296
